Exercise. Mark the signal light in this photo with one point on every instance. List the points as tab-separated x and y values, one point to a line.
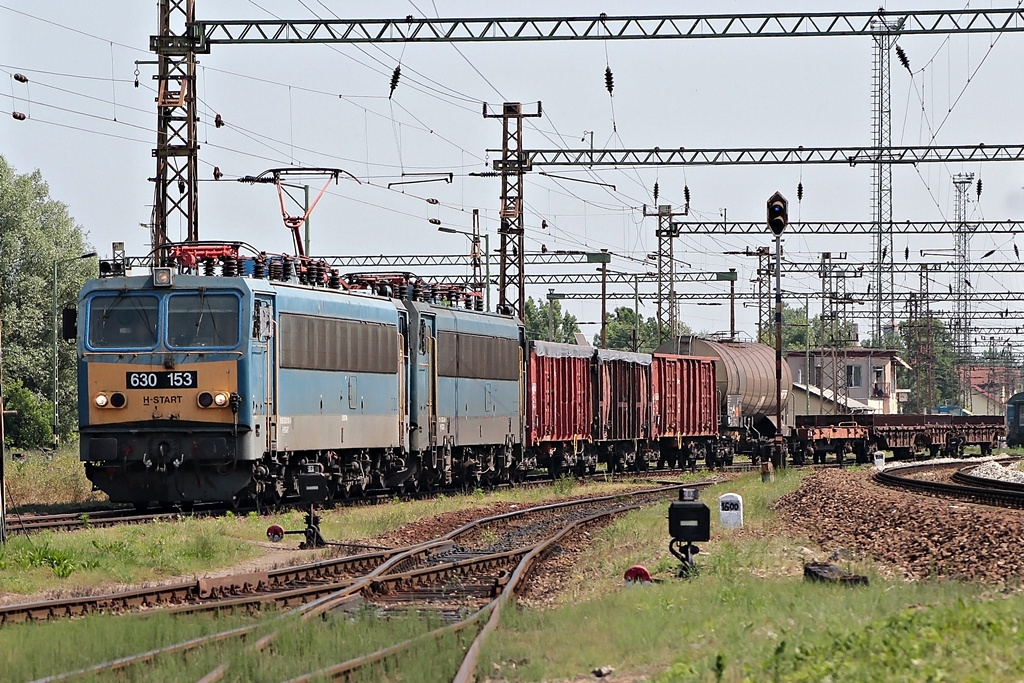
100	400
778	213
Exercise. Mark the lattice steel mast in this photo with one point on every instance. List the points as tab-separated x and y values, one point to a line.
177	149
962	286
881	177
512	165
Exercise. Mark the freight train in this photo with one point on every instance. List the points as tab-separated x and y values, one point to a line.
243	378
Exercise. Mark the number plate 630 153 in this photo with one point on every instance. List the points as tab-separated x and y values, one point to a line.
163	379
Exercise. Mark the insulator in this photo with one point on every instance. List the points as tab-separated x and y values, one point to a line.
395	77
988	253
435	221
18	116
543	224
431	200
655	192
609	79
435	293
903	58
230	268
21	78
800	191
276	270
286	269
181	187
335	281
478	304
1016	252
209	266
885	252
906	254
217	175
979	188
218	122
321	273
259	268
686	194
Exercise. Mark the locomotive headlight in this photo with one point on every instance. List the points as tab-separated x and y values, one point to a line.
216	399
100	400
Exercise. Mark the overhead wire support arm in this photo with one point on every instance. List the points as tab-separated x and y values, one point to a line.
739	156
601	27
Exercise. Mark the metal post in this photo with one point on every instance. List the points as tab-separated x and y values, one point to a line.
56	416
807	354
551	315
305	219
604	302
778	351
487	268
636	313
732	305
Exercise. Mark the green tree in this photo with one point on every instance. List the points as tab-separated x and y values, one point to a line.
35	233
537	317
29	427
626	331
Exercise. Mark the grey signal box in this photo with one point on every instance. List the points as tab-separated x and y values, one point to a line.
688	518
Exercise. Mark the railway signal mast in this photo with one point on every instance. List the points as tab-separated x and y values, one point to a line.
778	219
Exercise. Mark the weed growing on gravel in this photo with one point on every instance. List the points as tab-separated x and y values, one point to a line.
563	486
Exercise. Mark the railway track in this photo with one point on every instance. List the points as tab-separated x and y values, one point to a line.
964	486
67	521
285	587
465	575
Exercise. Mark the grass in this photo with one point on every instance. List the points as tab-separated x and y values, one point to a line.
90	558
749	616
51	648
41	649
746	616
49	482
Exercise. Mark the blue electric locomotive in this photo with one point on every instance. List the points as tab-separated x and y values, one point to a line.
235	386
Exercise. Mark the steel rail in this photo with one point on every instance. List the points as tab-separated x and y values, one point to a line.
206	33
526	556
995	497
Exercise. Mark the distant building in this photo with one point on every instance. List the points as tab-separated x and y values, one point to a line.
866	376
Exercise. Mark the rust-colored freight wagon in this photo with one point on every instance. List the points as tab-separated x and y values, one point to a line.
559	404
684	403
622	390
560	393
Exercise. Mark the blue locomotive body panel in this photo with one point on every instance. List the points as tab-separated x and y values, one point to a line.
480	378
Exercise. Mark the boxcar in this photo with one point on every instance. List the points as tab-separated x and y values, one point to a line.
684	408
622	388
560	391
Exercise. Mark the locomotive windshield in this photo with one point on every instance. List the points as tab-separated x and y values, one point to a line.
123	321
202	320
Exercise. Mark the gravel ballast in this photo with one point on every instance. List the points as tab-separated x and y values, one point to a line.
917	535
